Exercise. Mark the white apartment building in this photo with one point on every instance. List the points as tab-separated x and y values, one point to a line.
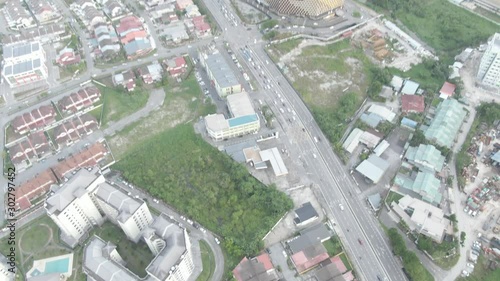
5	274
243	119
172	249
72	208
488	73
131	214
24	63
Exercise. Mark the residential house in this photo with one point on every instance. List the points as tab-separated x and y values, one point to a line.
79	100
107	40
87	158
201	27
44	34
93	16
33	189
412	104
136	41
192	11
36	119
43	10
181	5
444	128
410	88
114	9
67	57
305	214
333	269
423	218
255	269
151	73
307	248
175	66
161	10
17	16
447	90
34	147
126	79
74	129
175	32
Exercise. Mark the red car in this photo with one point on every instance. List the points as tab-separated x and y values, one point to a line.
360	242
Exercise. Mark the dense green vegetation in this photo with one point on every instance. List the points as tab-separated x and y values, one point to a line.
444	26
268	24
334	122
182	169
445	254
430	74
333	246
485	113
410	260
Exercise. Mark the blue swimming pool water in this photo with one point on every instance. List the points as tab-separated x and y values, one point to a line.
59	266
35	272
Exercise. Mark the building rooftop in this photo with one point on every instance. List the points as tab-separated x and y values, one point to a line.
14	51
274	157
309	257
308	237
305	212
447	90
409	123
426	156
22	67
256	269
100	265
120	201
221	71
412	103
427	185
238	121
397	83
410	87
373	168
175	246
240	104
352	140
375	201
444	128
383	112
74	188
216	122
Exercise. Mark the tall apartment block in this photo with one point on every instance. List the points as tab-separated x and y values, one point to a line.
488	73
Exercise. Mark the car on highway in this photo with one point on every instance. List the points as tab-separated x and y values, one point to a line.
360	242
341	206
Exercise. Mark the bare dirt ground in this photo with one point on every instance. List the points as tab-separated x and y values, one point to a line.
251	14
286	228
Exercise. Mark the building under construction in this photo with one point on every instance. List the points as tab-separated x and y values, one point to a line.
305	8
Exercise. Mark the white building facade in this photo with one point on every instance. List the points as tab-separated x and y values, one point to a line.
24	63
488	73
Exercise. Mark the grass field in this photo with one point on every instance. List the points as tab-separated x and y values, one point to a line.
180	168
184	102
393	196
119	103
445	27
332	79
208	260
333	246
346	262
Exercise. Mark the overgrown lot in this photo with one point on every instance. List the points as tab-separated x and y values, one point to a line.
179	167
333	79
118	103
444	26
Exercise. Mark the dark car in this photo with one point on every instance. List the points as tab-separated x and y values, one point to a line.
360	242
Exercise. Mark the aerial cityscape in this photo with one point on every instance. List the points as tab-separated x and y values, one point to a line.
250	140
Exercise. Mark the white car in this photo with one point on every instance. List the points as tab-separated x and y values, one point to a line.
470	265
341	206
217	241
203	230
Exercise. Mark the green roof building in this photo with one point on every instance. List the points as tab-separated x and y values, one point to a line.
425	157
446	124
425	185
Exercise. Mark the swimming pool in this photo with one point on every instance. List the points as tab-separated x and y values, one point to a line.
55	266
60	266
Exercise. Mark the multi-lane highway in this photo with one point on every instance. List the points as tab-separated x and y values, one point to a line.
362	236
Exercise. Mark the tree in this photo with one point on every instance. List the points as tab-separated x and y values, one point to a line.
418	138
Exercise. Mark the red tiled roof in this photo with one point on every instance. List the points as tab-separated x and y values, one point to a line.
34	188
128	23
303	262
180	61
36	118
448	89
266	261
339	263
131	36
412	103
86	158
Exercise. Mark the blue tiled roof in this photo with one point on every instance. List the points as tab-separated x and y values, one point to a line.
238	121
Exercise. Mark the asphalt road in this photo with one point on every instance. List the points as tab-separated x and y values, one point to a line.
372	257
